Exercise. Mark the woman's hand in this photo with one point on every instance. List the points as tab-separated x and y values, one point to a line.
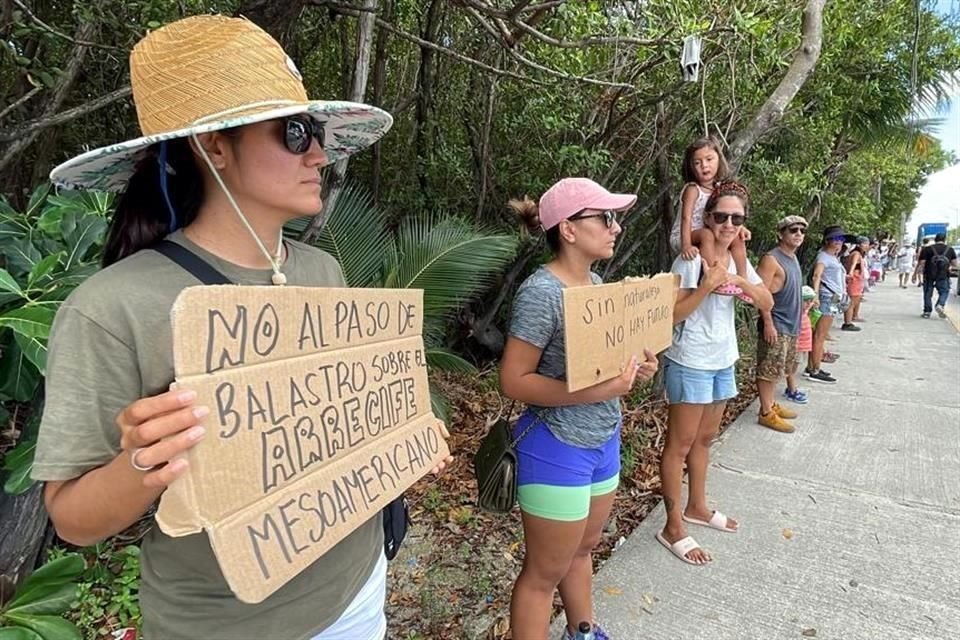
155	431
622	384
648	368
449	459
689	252
745	234
715	275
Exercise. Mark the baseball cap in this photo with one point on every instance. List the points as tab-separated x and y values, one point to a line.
807	293
572	195
790	221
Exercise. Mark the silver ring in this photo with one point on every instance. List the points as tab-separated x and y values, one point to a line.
135	464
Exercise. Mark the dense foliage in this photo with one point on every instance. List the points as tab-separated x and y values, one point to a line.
492	99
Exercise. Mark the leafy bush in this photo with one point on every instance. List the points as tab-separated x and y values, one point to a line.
35	610
46	250
108	591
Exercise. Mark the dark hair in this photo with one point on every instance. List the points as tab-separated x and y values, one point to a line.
941	237
725	189
529	213
723	169
142	218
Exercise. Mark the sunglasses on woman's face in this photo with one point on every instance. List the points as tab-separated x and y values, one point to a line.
298	131
609	217
736	219
835	239
800	230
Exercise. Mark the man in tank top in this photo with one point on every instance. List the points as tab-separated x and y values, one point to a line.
779	327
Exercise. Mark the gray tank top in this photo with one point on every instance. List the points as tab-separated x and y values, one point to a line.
788	302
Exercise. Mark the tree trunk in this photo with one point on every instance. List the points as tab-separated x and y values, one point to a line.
84	33
22	522
485	157
361	72
276	18
664	177
422	138
379	83
800	69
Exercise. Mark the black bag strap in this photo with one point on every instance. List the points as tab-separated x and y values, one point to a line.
197	266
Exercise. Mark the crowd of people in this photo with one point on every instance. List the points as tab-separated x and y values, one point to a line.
230	153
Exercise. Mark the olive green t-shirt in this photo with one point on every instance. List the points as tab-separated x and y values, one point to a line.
111	344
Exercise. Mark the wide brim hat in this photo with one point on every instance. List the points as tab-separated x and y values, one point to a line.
209	73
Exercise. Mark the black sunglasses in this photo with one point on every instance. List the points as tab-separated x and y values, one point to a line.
298	131
736	219
801	230
609	217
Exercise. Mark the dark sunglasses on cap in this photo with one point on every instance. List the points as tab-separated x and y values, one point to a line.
298	131
736	219
609	217
796	229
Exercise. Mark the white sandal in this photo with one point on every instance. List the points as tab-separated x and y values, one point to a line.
681	548
717	521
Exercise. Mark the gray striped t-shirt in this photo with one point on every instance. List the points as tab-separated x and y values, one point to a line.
538	320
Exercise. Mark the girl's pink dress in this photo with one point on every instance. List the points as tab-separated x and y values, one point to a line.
805	339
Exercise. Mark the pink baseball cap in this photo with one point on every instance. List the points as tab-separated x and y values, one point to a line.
572	195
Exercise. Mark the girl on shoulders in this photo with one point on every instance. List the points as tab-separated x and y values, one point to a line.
703	166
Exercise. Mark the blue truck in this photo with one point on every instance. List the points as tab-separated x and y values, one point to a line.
930	230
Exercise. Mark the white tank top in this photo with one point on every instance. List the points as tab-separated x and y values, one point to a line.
696	220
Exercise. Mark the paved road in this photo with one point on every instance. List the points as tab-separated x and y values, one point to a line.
850	525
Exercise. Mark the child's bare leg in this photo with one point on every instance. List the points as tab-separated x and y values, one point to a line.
792	381
702	239
739	251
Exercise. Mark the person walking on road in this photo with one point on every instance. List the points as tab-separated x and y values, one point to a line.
780	326
934	265
828	281
905	265
699	371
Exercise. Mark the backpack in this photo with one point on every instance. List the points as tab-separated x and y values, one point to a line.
939	265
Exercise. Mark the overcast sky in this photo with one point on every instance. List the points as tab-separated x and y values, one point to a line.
940	198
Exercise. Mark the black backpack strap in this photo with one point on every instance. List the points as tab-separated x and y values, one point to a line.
197	266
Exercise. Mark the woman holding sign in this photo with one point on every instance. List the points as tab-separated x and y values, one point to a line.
699	371
569	448
232	150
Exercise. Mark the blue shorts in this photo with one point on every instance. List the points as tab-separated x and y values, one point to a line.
698	386
828	307
557	480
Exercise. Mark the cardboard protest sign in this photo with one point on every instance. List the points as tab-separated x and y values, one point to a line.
606	324
320	416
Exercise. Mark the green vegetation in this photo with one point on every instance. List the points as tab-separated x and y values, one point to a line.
489	104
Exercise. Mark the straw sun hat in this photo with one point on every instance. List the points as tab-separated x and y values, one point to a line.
207	73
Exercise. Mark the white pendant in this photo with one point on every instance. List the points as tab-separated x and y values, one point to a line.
278	278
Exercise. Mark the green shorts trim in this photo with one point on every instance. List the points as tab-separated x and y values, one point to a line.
567	504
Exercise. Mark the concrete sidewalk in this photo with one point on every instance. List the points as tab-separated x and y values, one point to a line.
850	527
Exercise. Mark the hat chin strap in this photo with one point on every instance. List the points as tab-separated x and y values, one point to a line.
278	277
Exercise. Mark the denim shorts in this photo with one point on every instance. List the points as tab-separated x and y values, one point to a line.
556	480
828	307
698	386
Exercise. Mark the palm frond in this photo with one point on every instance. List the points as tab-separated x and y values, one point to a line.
448	361
449	259
439	404
355	234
